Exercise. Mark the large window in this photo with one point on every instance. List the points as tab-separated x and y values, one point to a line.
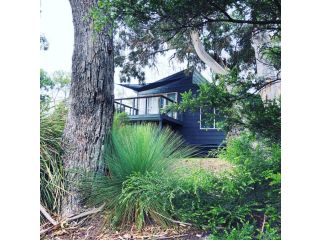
152	104
207	121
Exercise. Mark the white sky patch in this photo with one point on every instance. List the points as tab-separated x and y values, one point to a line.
56	24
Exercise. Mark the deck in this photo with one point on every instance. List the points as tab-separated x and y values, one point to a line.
148	108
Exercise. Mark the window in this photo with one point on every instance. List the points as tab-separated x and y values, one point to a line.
164	102
205	122
173	96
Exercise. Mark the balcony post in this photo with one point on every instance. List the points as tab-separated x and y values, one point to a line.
134	106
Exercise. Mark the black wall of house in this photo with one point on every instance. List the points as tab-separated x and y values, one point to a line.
191	120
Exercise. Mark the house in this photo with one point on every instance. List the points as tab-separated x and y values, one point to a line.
152	97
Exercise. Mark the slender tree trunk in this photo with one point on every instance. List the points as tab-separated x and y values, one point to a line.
90	101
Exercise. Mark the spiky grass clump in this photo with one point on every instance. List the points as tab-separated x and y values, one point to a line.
51	168
139	158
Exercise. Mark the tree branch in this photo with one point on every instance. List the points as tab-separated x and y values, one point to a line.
174	221
227	20
69	219
204	56
47	216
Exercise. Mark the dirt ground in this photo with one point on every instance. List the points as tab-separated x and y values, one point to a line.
94	229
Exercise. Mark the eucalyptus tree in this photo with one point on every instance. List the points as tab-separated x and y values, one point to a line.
241	38
91	99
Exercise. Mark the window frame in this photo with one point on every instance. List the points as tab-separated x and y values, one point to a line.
174	114
176	93
214	122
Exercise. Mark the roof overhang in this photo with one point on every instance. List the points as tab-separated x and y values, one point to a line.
197	78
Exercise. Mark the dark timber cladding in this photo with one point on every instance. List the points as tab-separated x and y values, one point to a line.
190	121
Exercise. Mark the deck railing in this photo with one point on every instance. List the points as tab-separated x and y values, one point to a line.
145	105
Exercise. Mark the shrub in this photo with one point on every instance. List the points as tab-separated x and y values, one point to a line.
261	162
120	119
51	168
139	159
210	201
250	193
247	231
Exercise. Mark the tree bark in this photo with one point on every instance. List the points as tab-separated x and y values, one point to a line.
90	102
265	68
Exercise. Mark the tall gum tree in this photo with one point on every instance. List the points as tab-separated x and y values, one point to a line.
90	102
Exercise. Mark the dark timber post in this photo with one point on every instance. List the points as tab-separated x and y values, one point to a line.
134	106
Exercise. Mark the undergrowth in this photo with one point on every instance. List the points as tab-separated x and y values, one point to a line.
141	186
234	202
51	167
139	160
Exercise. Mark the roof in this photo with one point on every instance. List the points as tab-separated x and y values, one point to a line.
172	78
135	87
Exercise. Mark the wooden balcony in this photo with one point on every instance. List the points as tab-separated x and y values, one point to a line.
148	108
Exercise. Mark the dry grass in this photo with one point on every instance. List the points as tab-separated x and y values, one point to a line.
214	165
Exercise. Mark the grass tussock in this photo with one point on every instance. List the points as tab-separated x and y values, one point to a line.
139	159
51	168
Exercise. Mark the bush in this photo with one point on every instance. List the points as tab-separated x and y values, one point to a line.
247	232
210	201
139	159
250	193
261	162
145	198
120	120
51	168
142	187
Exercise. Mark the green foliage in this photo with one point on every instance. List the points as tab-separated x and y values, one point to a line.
61	79
46	83
144	148
148	29
142	187
120	119
210	201
238	106
237	201
58	81
139	159
51	167
247	232
262	161
145	198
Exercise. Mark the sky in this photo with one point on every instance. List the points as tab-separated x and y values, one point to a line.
56	24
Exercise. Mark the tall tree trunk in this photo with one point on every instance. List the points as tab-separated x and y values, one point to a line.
90	101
